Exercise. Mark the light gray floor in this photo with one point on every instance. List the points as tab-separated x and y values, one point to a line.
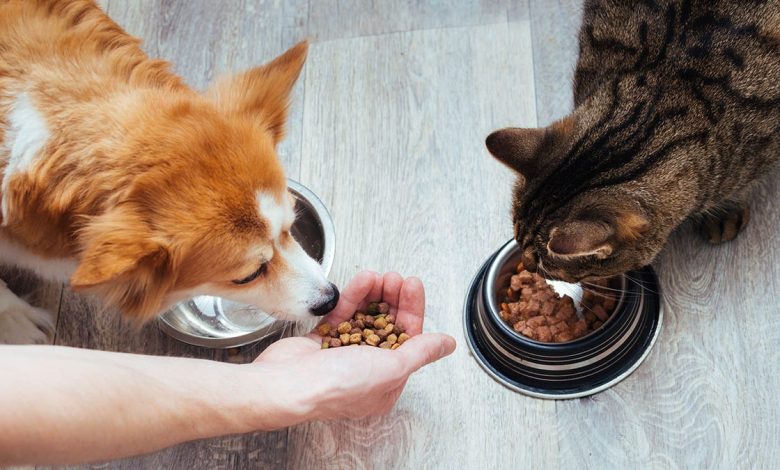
387	127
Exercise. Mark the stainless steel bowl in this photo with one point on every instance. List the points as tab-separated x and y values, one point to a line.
572	369
214	322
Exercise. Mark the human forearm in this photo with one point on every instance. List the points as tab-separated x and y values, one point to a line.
63	405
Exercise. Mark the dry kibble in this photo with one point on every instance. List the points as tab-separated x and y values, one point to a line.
365	329
373	340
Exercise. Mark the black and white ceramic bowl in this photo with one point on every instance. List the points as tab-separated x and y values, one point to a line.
214	322
573	369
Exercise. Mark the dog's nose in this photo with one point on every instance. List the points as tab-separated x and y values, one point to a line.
329	304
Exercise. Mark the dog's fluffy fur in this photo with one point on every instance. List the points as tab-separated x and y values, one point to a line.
119	178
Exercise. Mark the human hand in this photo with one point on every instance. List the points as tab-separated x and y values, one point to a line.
353	382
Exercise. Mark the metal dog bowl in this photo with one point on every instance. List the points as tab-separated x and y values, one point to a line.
219	323
577	368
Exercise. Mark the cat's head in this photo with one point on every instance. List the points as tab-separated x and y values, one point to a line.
580	211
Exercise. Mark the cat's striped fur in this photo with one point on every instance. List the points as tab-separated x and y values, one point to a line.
677	112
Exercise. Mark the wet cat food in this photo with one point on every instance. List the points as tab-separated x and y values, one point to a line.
375	327
533	309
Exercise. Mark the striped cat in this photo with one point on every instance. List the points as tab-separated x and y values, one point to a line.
677	111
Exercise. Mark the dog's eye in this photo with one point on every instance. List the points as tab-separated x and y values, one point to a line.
252	276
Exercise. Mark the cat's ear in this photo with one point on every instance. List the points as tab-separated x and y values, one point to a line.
527	151
582	238
597	238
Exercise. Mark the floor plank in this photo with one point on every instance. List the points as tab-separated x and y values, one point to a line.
554	30
402	166
338	19
388	125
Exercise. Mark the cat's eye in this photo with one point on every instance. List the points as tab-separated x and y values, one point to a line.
263	268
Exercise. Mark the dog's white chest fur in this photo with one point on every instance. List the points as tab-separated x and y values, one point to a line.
54	269
25	136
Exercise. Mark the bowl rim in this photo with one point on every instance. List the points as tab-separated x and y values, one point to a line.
492	272
328	256
469	306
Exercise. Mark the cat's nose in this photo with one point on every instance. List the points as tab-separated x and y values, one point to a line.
529	259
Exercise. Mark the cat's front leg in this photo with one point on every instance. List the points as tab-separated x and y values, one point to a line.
20	322
723	222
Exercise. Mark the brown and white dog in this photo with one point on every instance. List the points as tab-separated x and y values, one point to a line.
120	179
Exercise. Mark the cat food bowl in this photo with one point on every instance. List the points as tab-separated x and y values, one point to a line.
577	368
214	322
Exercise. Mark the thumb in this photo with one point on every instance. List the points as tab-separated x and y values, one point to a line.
424	349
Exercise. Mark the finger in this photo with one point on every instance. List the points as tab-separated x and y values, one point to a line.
423	349
352	297
375	293
411	306
391	289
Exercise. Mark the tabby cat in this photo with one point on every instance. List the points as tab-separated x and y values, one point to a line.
677	112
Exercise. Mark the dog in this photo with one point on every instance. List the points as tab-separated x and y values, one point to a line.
123	181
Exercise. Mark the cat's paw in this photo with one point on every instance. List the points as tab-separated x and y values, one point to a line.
21	323
724	222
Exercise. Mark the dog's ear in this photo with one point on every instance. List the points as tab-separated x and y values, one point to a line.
123	264
262	93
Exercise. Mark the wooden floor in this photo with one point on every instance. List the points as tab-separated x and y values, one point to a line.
388	126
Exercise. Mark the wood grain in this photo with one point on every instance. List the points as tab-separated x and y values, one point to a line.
402	119
554	28
338	19
388	125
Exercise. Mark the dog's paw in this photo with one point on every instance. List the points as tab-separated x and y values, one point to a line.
724	222
21	323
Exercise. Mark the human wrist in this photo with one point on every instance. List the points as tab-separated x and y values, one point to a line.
268	398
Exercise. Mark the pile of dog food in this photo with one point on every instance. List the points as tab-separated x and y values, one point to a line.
533	309
375	327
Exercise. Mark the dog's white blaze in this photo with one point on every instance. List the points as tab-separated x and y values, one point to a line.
274	213
26	135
